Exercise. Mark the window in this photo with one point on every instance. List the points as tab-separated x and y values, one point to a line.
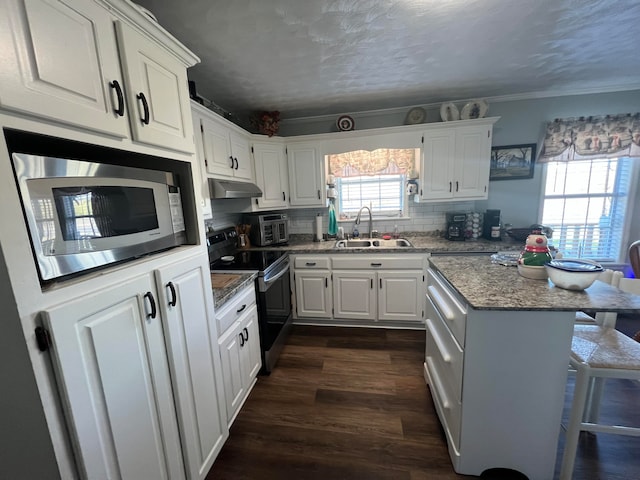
384	194
374	179
585	202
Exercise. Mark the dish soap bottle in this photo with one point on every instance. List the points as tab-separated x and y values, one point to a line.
396	233
355	233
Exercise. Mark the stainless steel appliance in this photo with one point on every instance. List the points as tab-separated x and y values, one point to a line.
456	224
268	229
273	289
83	214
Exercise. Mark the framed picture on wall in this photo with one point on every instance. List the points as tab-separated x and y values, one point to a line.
512	162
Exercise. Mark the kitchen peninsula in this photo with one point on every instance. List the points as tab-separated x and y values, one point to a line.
496	360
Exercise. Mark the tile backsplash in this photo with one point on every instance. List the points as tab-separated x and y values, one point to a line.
423	217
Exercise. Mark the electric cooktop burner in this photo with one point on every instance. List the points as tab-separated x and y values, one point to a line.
247	260
225	256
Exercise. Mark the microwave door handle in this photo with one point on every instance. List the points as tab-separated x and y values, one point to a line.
285	269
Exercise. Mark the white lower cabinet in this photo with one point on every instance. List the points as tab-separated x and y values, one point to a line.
354	294
312	280
383	287
386	288
239	349
485	371
139	374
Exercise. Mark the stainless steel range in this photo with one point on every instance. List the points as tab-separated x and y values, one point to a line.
273	290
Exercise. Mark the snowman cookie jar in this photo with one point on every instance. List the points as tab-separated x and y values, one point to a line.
534	255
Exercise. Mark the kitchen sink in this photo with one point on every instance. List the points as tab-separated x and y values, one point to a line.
395	242
373	243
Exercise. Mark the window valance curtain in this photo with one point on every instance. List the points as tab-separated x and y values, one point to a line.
583	137
378	162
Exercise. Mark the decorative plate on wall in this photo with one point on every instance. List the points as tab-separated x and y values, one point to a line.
474	109
345	123
449	112
415	115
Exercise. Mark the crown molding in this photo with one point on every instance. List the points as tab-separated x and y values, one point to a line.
496	99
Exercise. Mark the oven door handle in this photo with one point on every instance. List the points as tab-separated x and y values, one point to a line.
285	269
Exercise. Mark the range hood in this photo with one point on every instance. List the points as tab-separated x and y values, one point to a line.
231	189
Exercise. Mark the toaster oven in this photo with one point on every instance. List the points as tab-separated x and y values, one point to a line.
268	229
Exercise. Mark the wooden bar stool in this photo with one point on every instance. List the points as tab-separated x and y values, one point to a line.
596	353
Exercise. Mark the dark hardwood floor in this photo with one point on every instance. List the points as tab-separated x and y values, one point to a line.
351	403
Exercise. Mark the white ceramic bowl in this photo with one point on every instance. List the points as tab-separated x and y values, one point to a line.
573	274
532	272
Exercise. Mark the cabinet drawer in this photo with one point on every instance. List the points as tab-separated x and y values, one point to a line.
235	308
376	262
312	262
449	409
444	350
451	308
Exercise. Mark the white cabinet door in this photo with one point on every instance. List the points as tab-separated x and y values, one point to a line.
233	372
241	152
227	154
306	182
471	171
60	61
241	359
110	357
313	293
186	303
437	165
400	295
354	294
157	92
216	148
271	176
456	162
251	357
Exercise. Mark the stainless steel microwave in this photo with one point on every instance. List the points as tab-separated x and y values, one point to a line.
83	215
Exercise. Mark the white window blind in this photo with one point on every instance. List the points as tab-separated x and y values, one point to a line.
585	202
384	194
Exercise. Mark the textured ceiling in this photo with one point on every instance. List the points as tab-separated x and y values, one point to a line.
316	57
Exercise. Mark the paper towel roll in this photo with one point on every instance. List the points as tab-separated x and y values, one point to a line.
318	228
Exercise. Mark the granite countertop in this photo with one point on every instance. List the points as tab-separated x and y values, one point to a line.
488	286
224	294
302	244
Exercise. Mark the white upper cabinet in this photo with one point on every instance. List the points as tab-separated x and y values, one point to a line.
271	176
225	147
60	61
241	152
306	179
456	161
157	92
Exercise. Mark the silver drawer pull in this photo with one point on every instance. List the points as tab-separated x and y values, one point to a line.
439	343
440	303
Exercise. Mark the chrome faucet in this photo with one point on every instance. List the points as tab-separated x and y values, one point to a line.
370	219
